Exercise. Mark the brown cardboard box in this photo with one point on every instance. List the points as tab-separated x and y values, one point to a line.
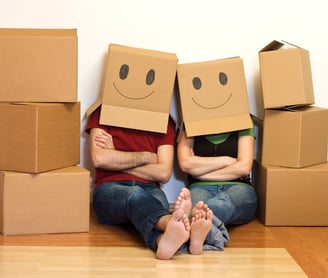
52	202
137	89
38	137
295	138
292	197
213	96
38	65
258	129
286	75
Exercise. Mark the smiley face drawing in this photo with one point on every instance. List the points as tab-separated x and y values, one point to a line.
222	80
212	95
123	75
139	78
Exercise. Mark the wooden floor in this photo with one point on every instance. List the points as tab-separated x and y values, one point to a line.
110	251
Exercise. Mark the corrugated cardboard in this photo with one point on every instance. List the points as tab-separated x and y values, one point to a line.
51	202
295	138
38	65
292	197
258	129
286	75
138	87
38	137
213	96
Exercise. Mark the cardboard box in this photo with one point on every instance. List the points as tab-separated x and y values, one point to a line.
213	96
38	137
258	129
38	65
286	75
292	197
52	202
138	87
295	138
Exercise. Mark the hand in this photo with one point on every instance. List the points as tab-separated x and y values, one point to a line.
104	140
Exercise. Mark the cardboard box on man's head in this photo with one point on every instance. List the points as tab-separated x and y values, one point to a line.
213	96
137	89
285	75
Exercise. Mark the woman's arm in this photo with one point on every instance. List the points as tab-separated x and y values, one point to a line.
240	168
198	166
219	168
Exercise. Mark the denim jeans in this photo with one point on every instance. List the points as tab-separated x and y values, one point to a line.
121	202
232	203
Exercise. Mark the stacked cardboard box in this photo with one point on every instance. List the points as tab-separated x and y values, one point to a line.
291	170
42	188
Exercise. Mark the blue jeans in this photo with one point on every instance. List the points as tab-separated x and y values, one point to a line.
231	203
121	202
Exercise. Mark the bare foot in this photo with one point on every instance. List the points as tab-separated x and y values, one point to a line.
176	233
201	224
184	201
199	207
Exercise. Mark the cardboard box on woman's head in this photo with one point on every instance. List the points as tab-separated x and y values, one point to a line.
213	96
137	89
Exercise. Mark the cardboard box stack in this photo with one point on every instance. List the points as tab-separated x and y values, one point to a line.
42	188
291	170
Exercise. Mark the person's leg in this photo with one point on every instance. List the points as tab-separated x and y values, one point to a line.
201	224
203	236
184	201
234	204
201	193
109	202
244	198
176	232
117	203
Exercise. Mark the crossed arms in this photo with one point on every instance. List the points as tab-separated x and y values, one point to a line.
218	168
150	166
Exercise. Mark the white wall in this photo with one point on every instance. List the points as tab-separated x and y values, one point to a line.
194	30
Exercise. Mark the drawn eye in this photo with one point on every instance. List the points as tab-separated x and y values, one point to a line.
124	71
223	78
150	77
197	83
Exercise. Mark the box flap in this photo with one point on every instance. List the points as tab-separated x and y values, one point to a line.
133	118
275	45
14	32
93	107
218	125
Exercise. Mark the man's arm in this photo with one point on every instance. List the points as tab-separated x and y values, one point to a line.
161	170
104	155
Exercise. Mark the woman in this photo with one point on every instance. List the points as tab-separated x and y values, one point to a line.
218	168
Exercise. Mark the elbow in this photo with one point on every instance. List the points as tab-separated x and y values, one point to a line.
183	166
245	170
96	161
164	176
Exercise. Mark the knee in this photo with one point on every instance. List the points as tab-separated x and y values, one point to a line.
244	193
199	194
135	195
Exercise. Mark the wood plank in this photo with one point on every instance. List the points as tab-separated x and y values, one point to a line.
308	246
80	262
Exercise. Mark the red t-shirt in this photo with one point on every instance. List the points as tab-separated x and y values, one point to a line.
126	139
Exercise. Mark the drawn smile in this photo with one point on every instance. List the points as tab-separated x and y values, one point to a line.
211	107
133	98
